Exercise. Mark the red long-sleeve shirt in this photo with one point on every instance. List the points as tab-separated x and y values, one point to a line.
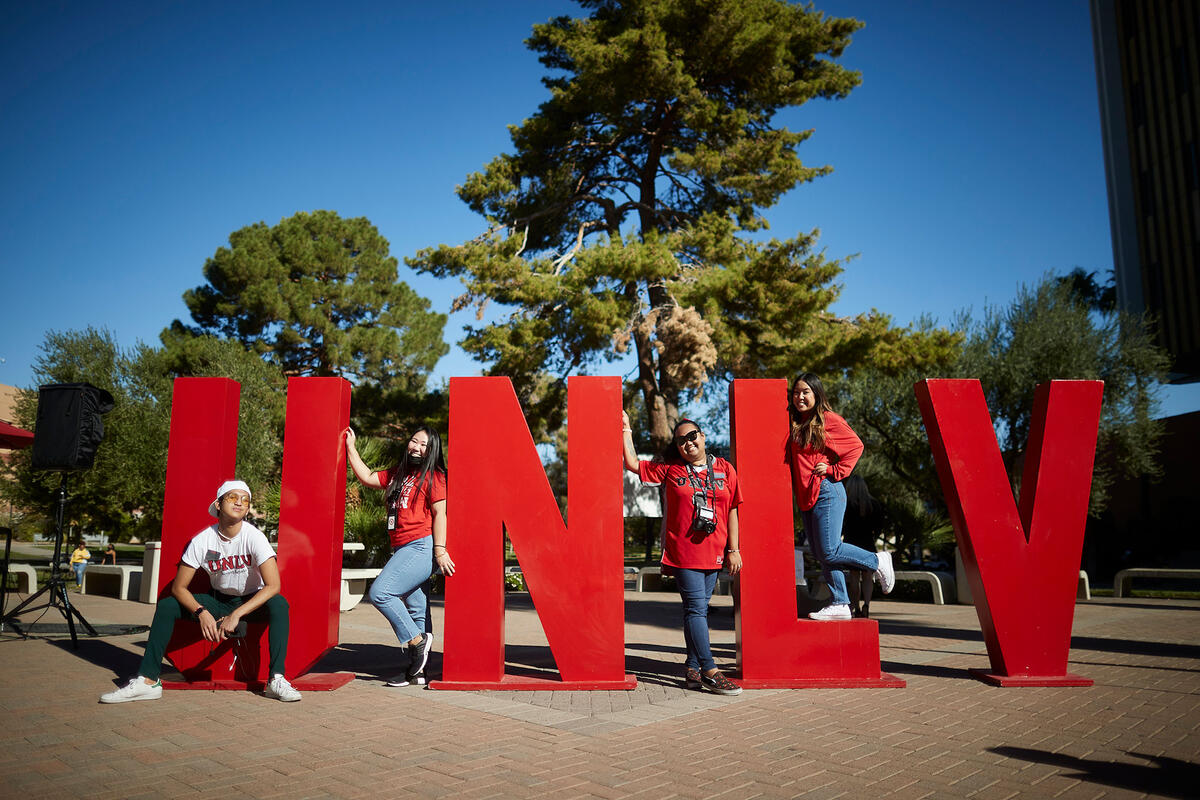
841	451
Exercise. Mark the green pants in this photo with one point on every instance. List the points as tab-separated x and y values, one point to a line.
274	612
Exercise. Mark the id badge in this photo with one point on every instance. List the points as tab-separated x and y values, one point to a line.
391	522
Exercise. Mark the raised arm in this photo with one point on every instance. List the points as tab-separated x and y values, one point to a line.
366	476
629	454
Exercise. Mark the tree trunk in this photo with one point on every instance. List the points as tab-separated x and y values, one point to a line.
657	408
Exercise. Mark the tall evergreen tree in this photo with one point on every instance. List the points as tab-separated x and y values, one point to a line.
623	217
319	295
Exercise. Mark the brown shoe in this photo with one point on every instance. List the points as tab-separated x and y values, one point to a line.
719	684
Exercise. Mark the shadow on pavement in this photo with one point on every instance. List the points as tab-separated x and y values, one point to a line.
1095	643
926	670
1170	777
1165	605
120	661
372	661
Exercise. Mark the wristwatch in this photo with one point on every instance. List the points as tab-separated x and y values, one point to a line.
196	614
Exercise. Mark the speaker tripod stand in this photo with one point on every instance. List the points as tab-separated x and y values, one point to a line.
55	590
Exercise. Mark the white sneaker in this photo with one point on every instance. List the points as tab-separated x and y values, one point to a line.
136	689
829	612
280	689
886	575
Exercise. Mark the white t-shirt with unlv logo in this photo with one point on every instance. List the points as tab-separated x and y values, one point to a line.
232	564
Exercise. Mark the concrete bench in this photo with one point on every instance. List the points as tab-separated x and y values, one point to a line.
1083	590
123	581
639	585
26	577
354	585
1124	577
724	579
942	583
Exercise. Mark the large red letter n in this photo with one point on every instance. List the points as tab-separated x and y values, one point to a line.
574	574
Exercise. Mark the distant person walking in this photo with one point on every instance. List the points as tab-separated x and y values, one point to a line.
79	561
822	451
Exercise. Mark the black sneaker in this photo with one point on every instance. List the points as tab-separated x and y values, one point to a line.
418	654
417	679
691	678
719	684
399	680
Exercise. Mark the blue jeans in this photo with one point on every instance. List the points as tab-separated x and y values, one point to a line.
397	592
823	524
79	570
696	588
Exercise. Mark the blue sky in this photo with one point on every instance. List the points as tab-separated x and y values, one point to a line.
138	135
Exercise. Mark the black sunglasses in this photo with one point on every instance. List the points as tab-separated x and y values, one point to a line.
680	441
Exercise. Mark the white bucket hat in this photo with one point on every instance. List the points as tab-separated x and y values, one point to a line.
226	488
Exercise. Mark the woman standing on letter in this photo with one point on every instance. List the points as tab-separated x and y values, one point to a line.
701	530
416	503
822	451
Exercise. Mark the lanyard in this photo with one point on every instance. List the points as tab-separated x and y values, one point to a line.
707	483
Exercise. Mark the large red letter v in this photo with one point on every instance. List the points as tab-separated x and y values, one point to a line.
1023	565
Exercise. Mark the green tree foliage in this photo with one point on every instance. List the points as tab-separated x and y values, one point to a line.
623	217
319	295
122	494
101	498
262	405
1060	329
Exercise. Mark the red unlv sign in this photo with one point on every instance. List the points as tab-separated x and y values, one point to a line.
573	570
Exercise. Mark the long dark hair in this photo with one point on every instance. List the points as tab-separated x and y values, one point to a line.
423	472
670	453
809	432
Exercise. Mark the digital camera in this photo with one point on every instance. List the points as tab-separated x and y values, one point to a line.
704	518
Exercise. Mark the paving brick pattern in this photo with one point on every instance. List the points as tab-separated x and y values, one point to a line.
1136	733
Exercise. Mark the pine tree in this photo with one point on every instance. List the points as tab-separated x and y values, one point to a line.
627	215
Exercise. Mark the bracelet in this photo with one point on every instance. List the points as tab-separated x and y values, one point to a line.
733	551
626	430
440	545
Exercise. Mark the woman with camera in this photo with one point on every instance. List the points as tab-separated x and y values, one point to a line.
822	451
701	521
416	523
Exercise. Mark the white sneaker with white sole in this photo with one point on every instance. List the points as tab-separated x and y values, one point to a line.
136	689
280	689
832	612
886	574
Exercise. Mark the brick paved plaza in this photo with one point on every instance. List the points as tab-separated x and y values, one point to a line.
1136	733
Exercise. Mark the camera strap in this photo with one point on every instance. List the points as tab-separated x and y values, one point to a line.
705	484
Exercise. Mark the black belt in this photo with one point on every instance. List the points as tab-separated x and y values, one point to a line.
227	598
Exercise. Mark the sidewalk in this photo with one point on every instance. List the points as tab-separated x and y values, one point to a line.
1135	733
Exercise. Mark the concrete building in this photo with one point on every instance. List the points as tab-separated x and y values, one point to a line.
1148	71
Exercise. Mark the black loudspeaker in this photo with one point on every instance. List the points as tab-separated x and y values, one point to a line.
69	428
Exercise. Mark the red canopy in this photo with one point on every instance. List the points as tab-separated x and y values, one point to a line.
14	438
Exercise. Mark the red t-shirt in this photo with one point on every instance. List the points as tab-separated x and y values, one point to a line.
685	547
413	511
841	451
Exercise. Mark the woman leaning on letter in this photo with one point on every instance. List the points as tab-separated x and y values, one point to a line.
822	451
